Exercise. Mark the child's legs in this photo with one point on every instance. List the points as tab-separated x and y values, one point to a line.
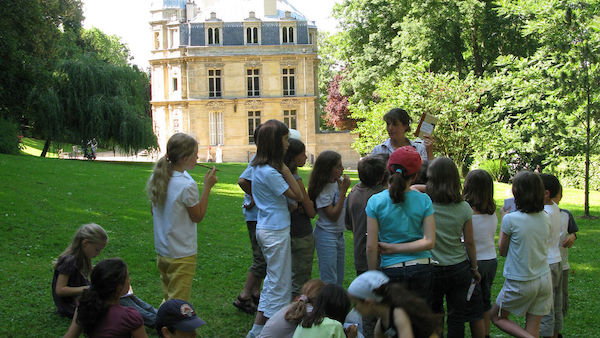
326	244
459	280
303	249
487	269
341	255
259	266
500	319
147	311
552	322
277	287
565	292
532	324
177	275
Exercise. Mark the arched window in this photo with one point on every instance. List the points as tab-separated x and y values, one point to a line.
291	34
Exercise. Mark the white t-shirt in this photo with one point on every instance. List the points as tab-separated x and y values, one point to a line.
554	238
268	187
175	234
328	196
484	232
564	252
528	245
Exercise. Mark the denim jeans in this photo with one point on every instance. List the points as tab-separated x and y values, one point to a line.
416	278
277	286
452	281
147	311
330	251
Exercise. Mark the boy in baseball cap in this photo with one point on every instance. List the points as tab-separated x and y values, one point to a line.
176	318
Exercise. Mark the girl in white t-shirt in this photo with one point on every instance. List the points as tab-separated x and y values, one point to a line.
177	207
478	191
527	290
327	189
272	182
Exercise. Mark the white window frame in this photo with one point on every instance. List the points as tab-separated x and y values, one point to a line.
289	79
211	34
254	78
253	122
290	118
216	128
215	93
284	33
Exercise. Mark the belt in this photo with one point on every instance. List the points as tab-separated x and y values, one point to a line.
410	263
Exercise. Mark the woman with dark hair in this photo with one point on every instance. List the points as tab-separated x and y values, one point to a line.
99	313
328	315
301	231
272	182
399	312
397	123
457	262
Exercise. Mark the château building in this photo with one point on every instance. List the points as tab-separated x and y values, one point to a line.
221	67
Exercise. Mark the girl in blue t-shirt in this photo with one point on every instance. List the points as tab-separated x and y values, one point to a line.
272	182
401	226
327	189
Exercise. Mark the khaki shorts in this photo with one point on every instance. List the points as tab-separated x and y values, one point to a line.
522	297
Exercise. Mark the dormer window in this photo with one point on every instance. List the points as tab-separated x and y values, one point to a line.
252	30
213	36
251	35
287	34
287	29
214	30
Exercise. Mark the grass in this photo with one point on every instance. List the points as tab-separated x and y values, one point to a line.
43	202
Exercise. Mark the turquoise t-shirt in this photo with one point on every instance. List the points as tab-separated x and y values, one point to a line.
400	223
449	222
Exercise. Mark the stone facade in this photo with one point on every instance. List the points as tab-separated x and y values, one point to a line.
218	72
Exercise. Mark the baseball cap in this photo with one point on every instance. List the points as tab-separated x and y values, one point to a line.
295	134
179	314
406	157
362	286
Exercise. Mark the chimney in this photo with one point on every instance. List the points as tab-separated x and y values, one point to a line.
270	7
190	10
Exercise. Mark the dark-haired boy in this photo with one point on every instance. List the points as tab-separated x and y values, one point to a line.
552	323
371	172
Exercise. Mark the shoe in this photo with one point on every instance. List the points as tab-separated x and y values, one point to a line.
245	305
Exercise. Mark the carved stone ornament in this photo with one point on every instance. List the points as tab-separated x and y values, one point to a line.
254	103
215	65
289	63
289	102
216	105
254	64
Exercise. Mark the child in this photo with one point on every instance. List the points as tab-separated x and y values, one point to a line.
371	172
177	318
523	239
456	270
401	225
272	182
247	300
301	231
99	313
552	323
328	190
73	266
329	312
478	191
399	312
176	210
568	228
284	322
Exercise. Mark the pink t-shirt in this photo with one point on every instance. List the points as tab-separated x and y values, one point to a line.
120	321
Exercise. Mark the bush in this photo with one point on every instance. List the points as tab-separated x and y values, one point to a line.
498	169
571	171
9	136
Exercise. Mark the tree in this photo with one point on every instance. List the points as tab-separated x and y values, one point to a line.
338	114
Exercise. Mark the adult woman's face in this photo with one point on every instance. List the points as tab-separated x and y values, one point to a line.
396	130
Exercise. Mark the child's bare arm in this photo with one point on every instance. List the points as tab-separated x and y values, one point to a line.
372	242
425	243
503	242
62	290
198	211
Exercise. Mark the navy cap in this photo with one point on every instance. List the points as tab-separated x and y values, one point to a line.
179	314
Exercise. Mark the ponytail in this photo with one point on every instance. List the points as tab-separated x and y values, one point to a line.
398	183
91	308
298	309
159	181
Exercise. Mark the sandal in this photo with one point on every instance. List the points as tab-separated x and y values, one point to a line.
245	305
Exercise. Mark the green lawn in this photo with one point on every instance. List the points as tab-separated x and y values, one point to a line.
43	201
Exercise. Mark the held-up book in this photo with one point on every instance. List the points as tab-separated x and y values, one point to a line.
426	125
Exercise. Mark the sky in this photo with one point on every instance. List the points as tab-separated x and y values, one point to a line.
129	20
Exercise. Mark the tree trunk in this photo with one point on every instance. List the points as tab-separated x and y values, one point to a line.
46	147
586	210
476	54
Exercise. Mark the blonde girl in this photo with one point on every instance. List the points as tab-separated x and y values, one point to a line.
327	189
272	182
73	266
177	207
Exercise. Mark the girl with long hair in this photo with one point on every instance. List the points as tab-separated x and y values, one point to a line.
327	189
177	207
99	313
272	182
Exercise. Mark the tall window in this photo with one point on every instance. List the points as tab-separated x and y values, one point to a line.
252	35
253	80
213	36
216	128
287	34
289	118
175	87
253	122
214	83
289	85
